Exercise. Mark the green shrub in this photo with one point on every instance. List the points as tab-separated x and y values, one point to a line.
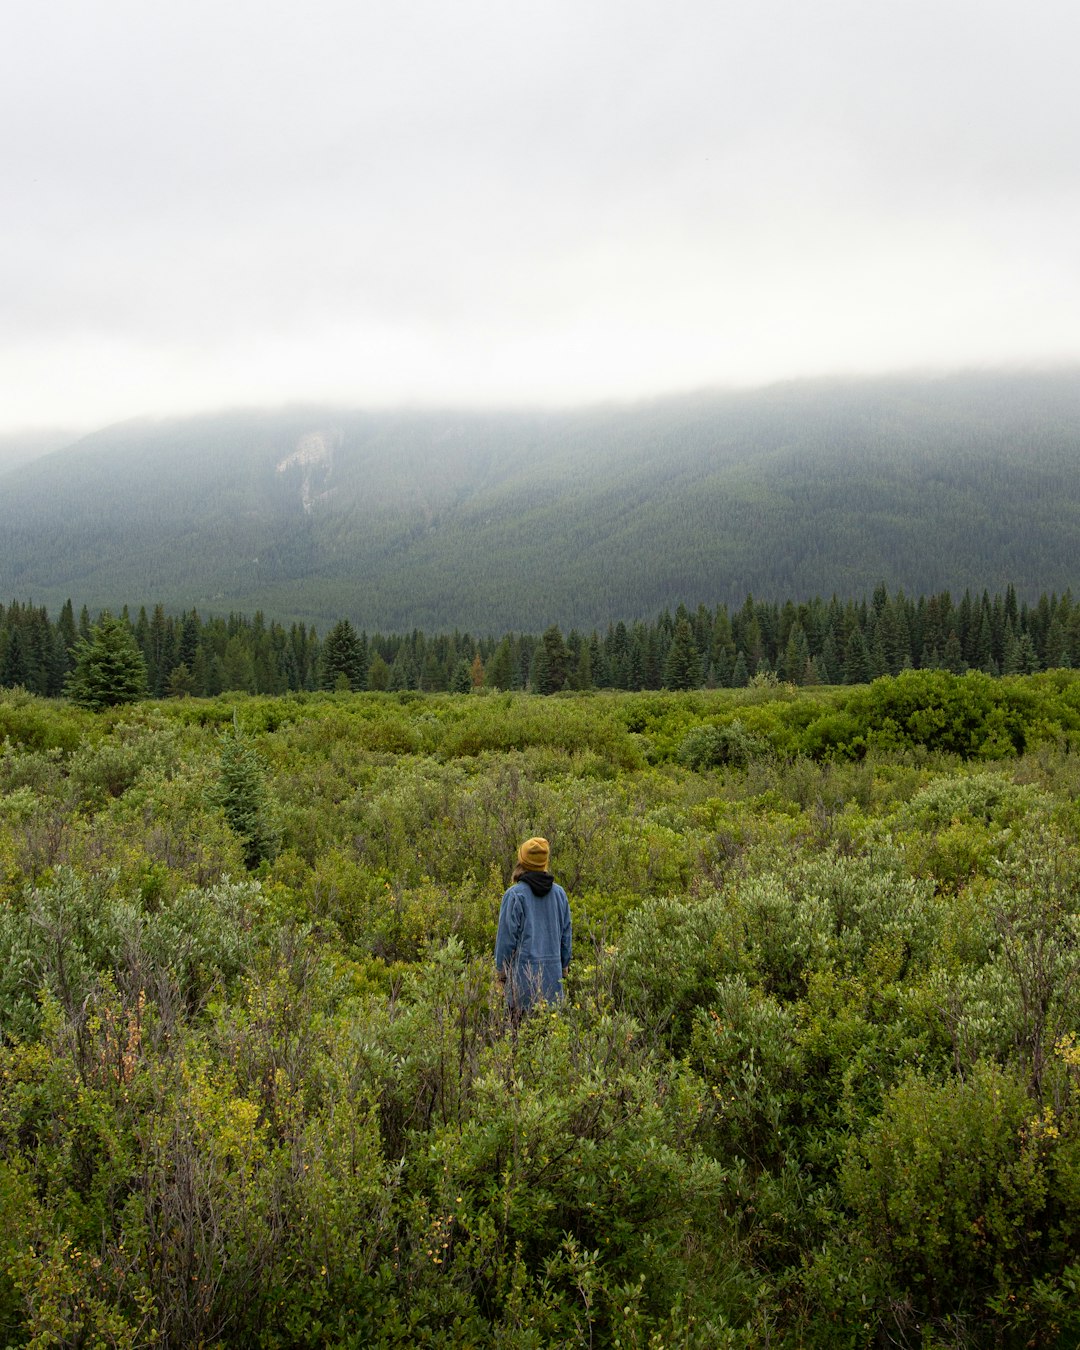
714	747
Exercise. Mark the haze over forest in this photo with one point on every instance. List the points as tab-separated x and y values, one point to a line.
496	521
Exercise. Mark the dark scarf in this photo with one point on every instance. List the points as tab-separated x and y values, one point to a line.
538	882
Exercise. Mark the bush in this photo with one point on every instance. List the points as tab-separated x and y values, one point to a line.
715	747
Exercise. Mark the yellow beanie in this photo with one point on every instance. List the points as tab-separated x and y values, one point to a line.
534	855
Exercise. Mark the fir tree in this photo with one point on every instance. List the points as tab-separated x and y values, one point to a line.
243	797
682	669
856	659
953	656
342	654
462	681
109	668
500	669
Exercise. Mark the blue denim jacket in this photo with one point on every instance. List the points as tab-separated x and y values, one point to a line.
534	944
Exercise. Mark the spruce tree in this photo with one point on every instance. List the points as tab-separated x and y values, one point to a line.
109	668
462	681
856	659
551	662
953	655
342	654
500	669
682	669
243	797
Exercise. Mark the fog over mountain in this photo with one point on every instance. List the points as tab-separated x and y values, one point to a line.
482	204
509	520
20	447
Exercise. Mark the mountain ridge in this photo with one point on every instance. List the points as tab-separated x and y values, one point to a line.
501	520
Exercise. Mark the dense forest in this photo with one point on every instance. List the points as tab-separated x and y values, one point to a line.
816	1082
510	521
815	642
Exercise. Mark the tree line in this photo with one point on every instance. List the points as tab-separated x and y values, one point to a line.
806	643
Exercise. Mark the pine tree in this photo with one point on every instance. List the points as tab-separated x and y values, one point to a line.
682	669
181	682
1029	656
856	659
109	668
953	656
829	662
796	655
67	635
538	670
500	669
550	663
243	797
342	655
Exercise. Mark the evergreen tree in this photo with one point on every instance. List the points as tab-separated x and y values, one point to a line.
401	669
828	661
109	668
433	675
1010	663
856	659
722	667
342	655
538	670
378	673
682	670
598	662
796	655
550	669
617	652
500	669
238	668
67	635
243	797
16	667
953	656
181	682
1029	656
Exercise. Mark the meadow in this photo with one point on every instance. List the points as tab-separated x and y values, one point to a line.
816	1081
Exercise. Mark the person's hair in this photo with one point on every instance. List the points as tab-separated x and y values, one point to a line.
518	872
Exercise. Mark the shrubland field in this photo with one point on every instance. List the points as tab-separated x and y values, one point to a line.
817	1082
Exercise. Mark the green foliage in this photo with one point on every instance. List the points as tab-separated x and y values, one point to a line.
712	747
344	659
109	668
952	1191
816	1081
243	797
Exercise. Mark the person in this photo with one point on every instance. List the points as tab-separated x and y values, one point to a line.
535	939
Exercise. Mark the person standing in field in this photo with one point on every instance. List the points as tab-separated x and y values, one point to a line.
534	942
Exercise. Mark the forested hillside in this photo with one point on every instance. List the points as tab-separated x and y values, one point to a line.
496	522
18	448
816	1083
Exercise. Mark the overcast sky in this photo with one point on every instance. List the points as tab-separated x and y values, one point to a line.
223	202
